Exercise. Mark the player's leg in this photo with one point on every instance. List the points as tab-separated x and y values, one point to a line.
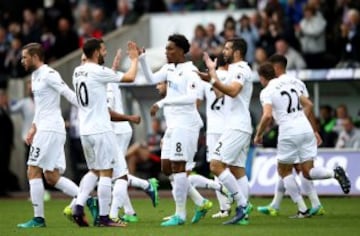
226	151
287	155
308	153
36	195
309	189
273	208
150	187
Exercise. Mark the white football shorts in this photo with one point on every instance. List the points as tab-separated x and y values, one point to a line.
101	150
296	148
47	151
211	141
232	148
180	145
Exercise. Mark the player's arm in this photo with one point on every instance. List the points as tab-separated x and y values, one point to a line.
31	133
54	80
16	107
309	112
133	54
115	116
232	89
264	122
151	77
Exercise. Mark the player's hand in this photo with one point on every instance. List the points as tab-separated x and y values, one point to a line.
318	139
154	108
141	50
116	61
30	135
204	75
133	52
258	140
135	119
210	64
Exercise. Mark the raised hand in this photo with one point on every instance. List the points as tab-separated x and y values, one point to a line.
133	52
154	108
210	64
116	61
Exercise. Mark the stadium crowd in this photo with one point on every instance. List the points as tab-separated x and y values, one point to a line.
311	33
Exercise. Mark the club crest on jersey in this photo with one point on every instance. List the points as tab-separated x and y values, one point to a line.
193	86
239	76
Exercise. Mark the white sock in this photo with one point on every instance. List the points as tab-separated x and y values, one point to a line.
128	207
293	189
195	196
67	186
228	179
224	203
104	195
137	182
243	183
278	194
37	196
72	203
118	197
181	184
87	184
321	173
199	181
309	189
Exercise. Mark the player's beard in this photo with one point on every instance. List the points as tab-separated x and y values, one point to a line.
229	59
101	60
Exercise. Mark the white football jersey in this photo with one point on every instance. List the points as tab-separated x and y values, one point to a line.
239	115
284	97
182	91
298	83
114	101
47	86
216	108
89	81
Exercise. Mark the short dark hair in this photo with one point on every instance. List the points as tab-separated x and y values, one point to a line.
180	41
278	59
267	71
240	45
90	46
35	49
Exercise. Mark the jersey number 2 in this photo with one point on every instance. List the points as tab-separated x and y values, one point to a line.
290	107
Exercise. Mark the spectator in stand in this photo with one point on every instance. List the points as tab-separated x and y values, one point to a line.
14	31
196	55
87	31
341	113
99	20
125	14
31	29
4	47
350	40
200	37
294	59
145	157
250	34
13	60
311	32
213	41
327	124
260	57
228	23
268	33
350	136
66	39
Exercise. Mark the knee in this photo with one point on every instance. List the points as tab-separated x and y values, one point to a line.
306	174
51	179
216	167
34	172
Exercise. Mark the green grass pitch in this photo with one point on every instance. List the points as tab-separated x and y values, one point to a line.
342	218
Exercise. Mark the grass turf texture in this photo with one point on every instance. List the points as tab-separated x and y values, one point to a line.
342	218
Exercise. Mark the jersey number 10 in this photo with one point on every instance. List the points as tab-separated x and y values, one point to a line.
82	94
